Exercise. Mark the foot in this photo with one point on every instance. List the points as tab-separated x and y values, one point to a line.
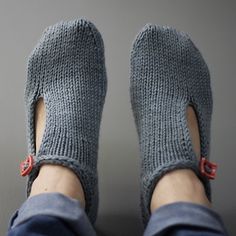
66	69
53	178
182	185
168	74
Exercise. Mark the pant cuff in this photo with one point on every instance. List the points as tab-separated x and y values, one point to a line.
183	214
57	205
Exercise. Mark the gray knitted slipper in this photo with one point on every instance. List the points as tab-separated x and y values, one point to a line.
67	69
168	73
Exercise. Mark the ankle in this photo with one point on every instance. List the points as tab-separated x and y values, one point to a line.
179	186
59	179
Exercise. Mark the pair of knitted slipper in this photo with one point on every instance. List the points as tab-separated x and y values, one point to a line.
67	69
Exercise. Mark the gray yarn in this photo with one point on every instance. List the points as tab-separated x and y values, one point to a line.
67	69
168	73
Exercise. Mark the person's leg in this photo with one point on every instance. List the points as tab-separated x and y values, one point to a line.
66	88
181	194
172	105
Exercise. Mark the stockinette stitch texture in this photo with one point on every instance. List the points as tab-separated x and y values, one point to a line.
67	69
168	73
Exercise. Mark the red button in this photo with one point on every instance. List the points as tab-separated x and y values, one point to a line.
207	168
26	166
